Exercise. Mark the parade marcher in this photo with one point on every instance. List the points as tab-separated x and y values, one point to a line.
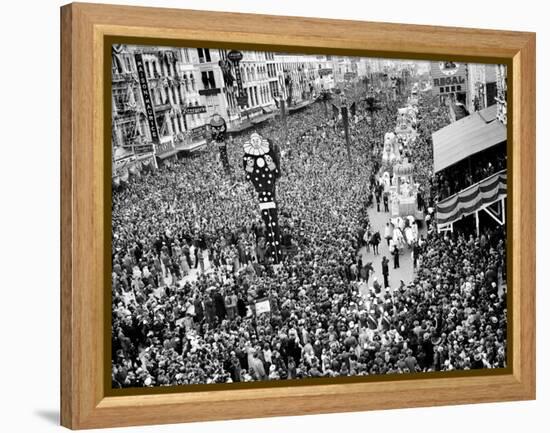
395	254
385	271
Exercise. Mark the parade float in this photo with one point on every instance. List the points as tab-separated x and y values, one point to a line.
405	128
403	192
390	153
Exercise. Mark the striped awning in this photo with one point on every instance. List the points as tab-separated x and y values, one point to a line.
471	199
467	136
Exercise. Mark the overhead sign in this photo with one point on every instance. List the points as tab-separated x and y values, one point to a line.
209	92
147	102
235	56
163	148
194	109
199	132
140	149
449	68
449	81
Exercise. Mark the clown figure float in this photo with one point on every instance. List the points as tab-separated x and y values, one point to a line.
261	166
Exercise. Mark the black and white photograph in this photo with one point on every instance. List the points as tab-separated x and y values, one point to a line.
280	216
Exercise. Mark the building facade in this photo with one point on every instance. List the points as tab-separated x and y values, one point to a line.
449	81
163	98
482	86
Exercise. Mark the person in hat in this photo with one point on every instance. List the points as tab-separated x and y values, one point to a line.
395	254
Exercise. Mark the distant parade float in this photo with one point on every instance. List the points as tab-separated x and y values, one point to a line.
396	173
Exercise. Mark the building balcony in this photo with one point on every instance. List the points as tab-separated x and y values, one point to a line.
123	77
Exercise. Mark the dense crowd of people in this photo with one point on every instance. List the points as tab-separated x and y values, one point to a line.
460	176
189	267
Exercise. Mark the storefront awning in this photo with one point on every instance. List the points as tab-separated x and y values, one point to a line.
467	136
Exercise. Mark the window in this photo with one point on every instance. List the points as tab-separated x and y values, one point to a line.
164	94
452	88
117	64
204	55
119	98
208	79
458	88
128	62
441	90
447	89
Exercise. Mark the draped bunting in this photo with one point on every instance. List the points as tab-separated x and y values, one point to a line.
472	199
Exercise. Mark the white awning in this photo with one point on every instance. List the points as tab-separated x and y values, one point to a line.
467	136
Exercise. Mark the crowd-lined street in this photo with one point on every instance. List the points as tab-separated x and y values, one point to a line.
199	296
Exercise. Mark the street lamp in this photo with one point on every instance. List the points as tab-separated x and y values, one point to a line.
219	130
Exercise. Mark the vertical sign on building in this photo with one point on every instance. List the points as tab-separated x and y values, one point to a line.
148	103
235	57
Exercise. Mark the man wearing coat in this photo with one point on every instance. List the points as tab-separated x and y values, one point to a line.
385	271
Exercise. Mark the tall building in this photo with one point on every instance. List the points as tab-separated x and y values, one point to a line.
482	86
502	93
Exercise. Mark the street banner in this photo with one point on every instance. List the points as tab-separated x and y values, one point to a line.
149	109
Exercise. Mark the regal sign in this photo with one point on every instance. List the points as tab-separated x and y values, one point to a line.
449	81
148	103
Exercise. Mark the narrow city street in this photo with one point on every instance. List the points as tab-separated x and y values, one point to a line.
405	271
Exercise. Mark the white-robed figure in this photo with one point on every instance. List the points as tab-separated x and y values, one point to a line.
385	180
414	228
409	237
398	238
390	153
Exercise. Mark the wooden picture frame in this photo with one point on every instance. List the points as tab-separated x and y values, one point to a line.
85	219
